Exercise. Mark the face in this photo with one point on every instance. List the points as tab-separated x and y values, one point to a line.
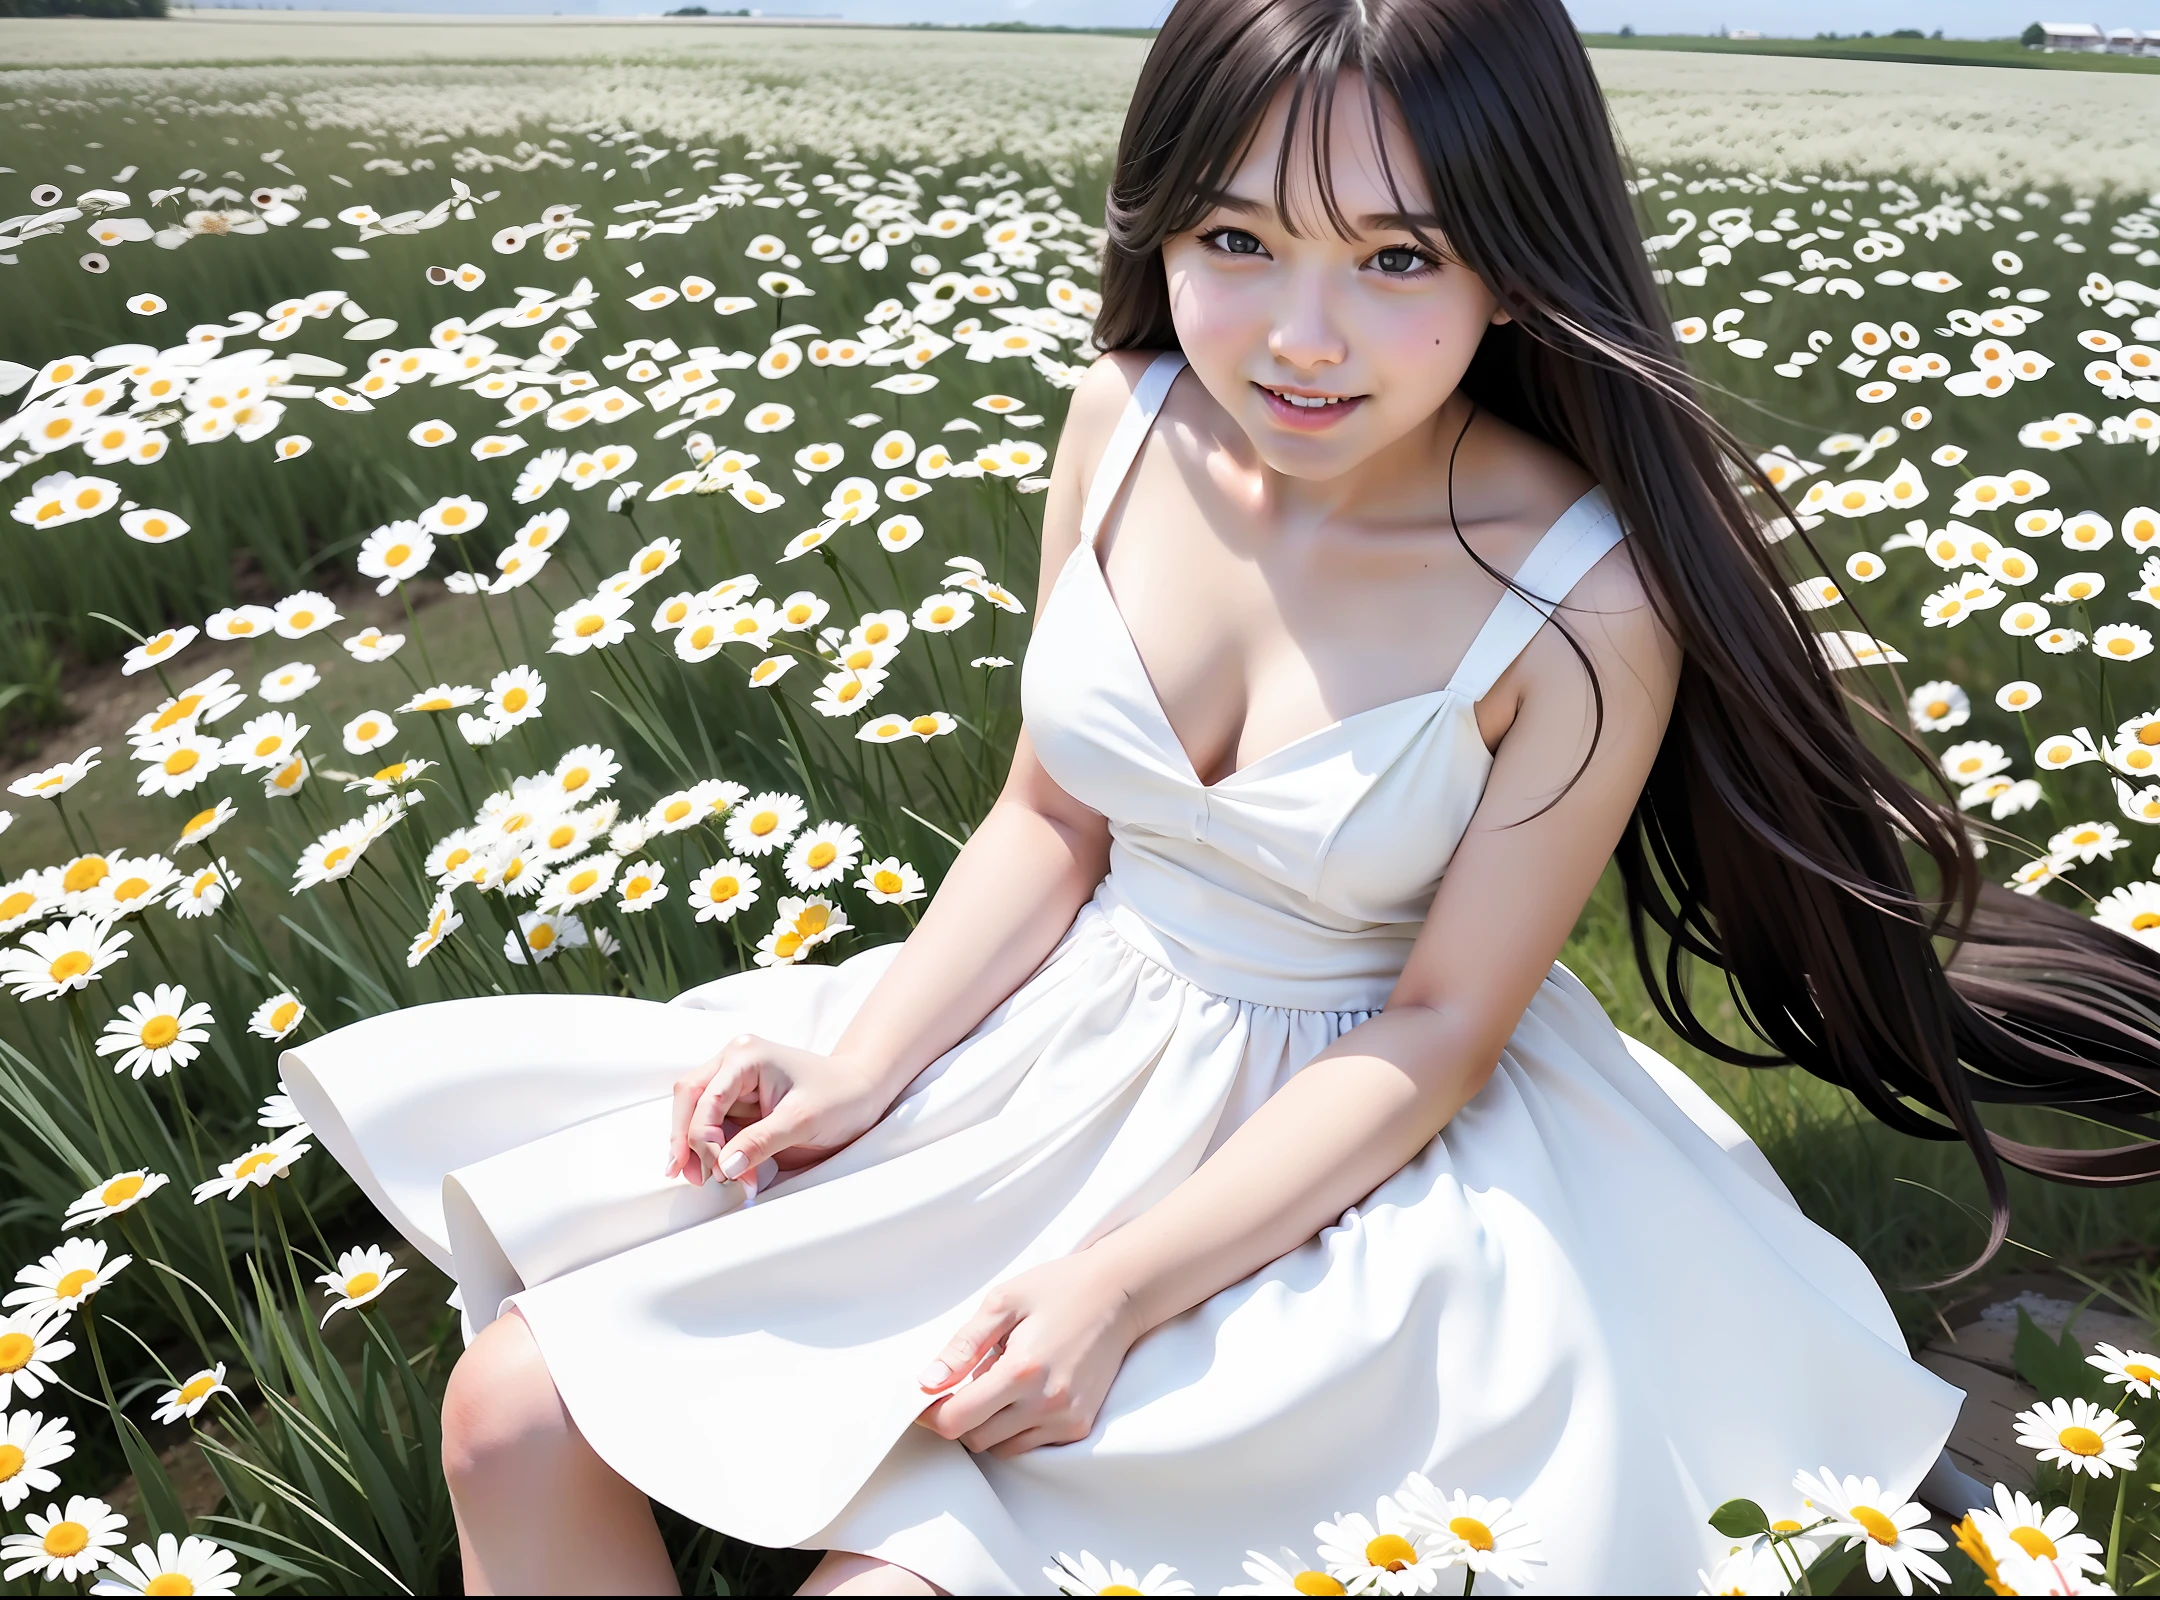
1326	350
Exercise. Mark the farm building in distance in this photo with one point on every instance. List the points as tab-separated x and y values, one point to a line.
2086	39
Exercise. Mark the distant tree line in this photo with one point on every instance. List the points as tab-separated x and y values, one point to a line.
82	8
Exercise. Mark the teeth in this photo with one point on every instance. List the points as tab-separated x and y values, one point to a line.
1307	402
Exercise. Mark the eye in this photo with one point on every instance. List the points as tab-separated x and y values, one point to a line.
1401	261
1233	242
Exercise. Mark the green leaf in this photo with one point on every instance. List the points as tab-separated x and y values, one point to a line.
2054	1367
161	1503
1832	1567
1740	1519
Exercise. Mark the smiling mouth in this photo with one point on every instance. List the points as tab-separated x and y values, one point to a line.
1310	402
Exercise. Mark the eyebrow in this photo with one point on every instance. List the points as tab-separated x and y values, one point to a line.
1373	222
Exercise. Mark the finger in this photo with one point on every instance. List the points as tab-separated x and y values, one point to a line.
750	1149
688	1088
1032	1439
709	1117
964	1351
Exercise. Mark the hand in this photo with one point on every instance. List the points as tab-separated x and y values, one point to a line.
1043	1350
757	1101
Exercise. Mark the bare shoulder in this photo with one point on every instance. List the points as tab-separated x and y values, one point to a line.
1098	402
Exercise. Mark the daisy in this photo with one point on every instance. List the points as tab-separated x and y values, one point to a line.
81	878
1484	1535
514	696
2134	1368
304	613
290	681
584	770
204	892
52	782
2079	1436
883	730
2088	841
2018	695
158	647
578	883
156	1032
207	821
722	890
361	1275
890	882
62	1546
1973	760
30	1447
1085	1574
642	885
544	935
880	628
441	923
845	693
763	824
393	778
654	559
254	1168
2022	1524
278	1111
177	763
370	645
26	899
1889	1530
801	611
135	884
769	671
2038	873
236	623
370	730
1939	706
753	623
1290	1575
277	1016
2122	641
331	857
27	1352
538	475
822	855
2059	750
442	697
453	514
62	1279
50	962
191	1396
1390	1558
930	725
202	1565
944	612
700	639
115	1195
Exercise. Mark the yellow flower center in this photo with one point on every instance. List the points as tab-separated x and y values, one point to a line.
723	889
1938	708
253	1162
515	700
120	1191
86	873
203	819
2137	1371
164	641
159	1032
652	561
72	964
589	625
2081	1441
1472	1532
1785	1525
131	889
302	619
812	920
2121	647
2142	921
1391	1551
71	1284
925	726
367	729
396	556
180	761
361	1283
196	1387
764	822
11	1461
848	691
584	881
170	1583
888	882
434	703
941	614
745	626
541	937
798	614
16	1349
1117	1588
2034	1543
821	855
16	904
288	775
1879	1527
453	516
575	779
560	836
282	1018
1316	1583
393	773
876	633
64	1539
785	946
701	636
334	858
240	625
637	888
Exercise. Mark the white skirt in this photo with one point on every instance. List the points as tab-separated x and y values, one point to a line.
1589	1293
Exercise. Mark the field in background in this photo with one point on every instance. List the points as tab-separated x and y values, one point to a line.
1924	52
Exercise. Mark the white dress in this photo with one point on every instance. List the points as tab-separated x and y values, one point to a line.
1589	1292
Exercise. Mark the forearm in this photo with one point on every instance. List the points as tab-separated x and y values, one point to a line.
1007	900
1341	1127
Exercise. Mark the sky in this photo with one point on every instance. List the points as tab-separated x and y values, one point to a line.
1958	18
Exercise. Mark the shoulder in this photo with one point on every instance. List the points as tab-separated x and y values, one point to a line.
1098	401
1614	615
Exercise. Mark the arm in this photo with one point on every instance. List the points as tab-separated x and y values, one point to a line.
1008	898
1365	1106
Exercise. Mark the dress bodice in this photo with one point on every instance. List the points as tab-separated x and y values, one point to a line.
1302	879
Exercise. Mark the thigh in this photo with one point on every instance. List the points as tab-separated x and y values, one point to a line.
845	1572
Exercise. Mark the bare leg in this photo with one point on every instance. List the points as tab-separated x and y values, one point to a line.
538	1512
844	1572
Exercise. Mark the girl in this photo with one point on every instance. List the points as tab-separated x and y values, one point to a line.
1226	1144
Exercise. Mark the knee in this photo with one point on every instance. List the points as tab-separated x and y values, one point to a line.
500	1408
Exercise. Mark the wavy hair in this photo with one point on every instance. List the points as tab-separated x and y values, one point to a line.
1772	840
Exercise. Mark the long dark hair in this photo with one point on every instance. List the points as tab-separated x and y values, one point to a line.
1772	840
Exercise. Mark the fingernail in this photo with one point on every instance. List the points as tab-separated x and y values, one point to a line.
732	1165
934	1375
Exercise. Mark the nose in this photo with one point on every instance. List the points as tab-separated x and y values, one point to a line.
1305	336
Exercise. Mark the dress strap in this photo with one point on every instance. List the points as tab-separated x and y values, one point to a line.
1125	441
1570	547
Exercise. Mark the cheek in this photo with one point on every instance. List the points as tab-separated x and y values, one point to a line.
1216	314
